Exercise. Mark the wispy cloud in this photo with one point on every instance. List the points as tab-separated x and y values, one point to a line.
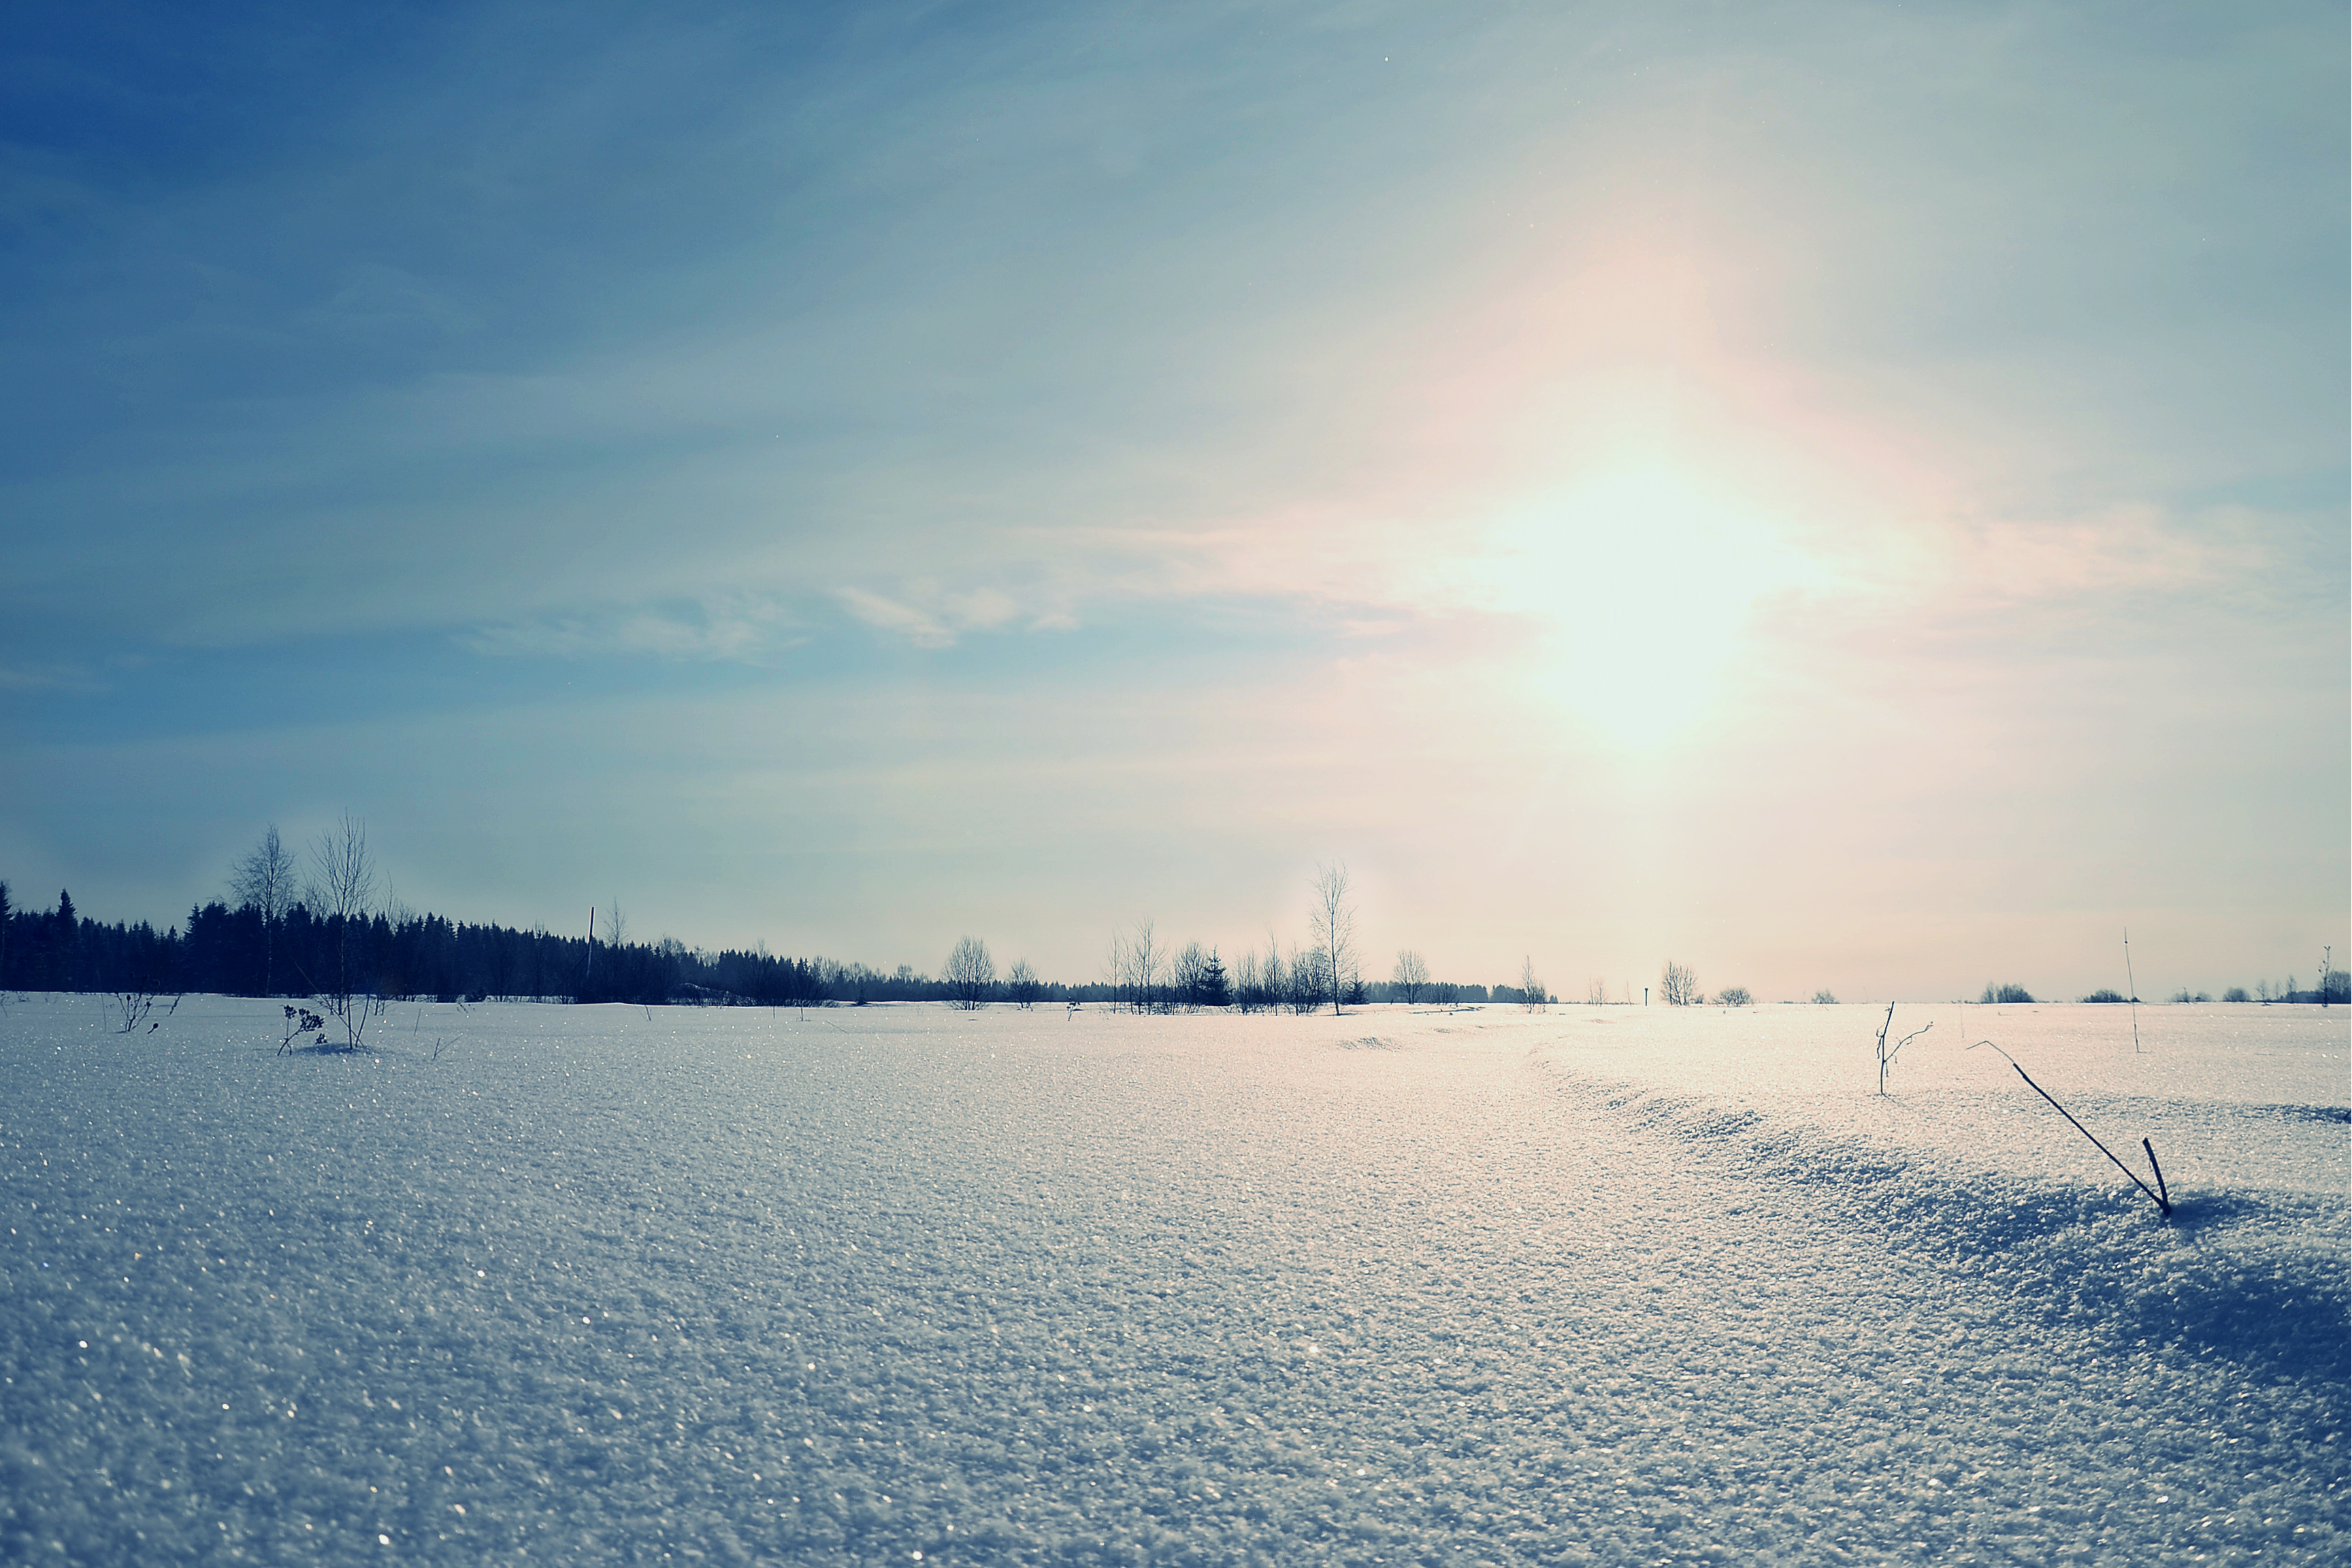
930	615
59	678
736	633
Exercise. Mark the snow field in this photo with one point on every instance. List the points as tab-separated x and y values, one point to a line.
1011	1289
2247	1107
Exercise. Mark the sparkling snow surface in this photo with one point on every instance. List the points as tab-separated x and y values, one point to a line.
899	1284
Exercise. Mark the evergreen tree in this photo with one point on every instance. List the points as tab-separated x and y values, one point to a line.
65	932
1214	989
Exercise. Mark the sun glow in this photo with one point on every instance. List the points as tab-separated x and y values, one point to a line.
1644	578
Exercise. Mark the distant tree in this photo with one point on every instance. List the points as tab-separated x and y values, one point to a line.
1825	998
1677	985
1445	994
1410	978
64	945
1273	989
1138	963
2104	994
1733	996
1334	920
1532	994
2009	992
2236	994
1309	979
7	913
1148	963
264	882
1596	992
1188	975
1215	990
1261	984
968	974
1022	981
1248	997
342	888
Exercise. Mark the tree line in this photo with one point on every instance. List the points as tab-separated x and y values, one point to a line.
315	925
239	951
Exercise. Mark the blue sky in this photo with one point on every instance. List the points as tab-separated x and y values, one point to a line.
1839	495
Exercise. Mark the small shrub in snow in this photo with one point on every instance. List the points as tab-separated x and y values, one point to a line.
1825	998
1887	1053
301	1021
1733	996
135	1004
1532	994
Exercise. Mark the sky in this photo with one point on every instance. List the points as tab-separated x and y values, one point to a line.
1839	496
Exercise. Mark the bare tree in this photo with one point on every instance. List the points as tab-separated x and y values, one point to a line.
264	882
1022	981
342	887
1134	965
1309	979
1411	977
1334	920
1266	983
1252	990
968	974
617	932
1677	986
1189	977
1146	959
1533	996
1596	992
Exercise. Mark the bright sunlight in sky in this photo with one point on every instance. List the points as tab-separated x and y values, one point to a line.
1840	496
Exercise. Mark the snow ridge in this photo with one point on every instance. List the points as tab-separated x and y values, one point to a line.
2258	1276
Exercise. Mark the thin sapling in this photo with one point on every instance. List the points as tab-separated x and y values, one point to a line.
1887	1053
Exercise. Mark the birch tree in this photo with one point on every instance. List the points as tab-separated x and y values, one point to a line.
264	882
1334	920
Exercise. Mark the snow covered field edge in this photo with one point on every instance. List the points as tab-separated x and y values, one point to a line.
1963	1163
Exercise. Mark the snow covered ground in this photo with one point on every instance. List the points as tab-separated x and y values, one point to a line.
890	1284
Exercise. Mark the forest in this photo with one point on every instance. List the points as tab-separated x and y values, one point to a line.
399	955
